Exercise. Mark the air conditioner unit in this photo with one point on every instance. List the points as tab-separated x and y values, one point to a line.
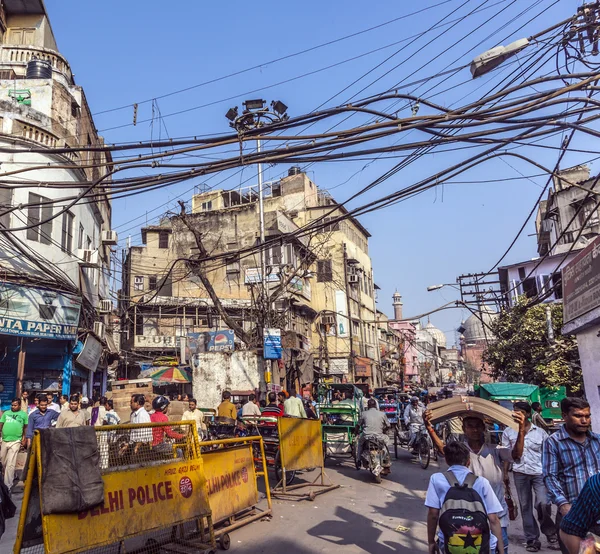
353	278
109	237
328	320
105	307
88	258
99	329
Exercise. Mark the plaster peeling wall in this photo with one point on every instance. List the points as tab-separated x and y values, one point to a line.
215	372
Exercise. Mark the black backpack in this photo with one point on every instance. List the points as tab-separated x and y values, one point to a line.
463	518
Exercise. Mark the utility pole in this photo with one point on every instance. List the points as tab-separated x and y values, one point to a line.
257	114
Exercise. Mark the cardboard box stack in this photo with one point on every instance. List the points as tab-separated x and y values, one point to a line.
121	395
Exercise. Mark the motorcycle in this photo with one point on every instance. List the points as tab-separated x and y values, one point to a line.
372	457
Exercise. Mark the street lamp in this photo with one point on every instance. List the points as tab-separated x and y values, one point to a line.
438	287
257	114
491	59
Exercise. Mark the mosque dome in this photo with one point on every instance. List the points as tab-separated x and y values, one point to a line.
438	335
473	326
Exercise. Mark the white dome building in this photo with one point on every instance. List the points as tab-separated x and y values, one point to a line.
438	335
474	328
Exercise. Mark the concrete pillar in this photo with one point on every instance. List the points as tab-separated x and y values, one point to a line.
588	343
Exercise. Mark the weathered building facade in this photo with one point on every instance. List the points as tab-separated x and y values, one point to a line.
56	262
319	285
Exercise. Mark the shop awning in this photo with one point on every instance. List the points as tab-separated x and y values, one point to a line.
166	375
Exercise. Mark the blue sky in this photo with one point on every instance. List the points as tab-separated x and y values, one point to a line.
131	51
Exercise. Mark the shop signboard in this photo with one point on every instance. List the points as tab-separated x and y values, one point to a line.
272	344
252	275
91	353
581	282
41	313
211	341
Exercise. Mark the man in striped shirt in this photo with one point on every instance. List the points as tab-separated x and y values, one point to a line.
570	457
583	516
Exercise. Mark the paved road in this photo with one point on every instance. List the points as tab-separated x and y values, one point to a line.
359	517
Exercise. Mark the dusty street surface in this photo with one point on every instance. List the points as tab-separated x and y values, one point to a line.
359	517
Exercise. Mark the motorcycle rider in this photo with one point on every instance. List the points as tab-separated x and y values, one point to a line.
374	424
413	418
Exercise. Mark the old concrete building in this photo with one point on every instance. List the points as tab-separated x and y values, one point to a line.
391	345
56	253
408	333
568	209
319	285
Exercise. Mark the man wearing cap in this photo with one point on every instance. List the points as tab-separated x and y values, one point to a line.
85	409
487	460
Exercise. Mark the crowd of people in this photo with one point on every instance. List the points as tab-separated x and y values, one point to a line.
280	404
560	469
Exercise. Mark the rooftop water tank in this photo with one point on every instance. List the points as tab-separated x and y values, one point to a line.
39	69
294	170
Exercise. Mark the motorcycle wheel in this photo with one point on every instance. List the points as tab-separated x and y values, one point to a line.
424	452
289	475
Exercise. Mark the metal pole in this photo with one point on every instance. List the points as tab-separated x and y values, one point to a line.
261	217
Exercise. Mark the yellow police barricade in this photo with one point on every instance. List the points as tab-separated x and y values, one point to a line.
301	448
232	468
153	496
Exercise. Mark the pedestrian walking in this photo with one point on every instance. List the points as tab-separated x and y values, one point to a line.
272	409
51	404
250	408
42	418
293	406
196	415
85	409
13	427
110	416
73	417
570	457
526	448
63	400
25	401
226	407
486	460
456	496
143	436
98	412
583	516
537	418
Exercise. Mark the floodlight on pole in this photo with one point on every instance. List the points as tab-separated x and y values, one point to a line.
232	113
252	105
491	59
279	107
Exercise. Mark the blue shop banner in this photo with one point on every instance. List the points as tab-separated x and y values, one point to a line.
42	313
272	344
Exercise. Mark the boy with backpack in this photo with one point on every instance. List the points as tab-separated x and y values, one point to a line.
465	508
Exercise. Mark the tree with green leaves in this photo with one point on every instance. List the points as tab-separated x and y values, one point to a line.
521	351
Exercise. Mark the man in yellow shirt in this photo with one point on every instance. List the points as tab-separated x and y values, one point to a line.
226	407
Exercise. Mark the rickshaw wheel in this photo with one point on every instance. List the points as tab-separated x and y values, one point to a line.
289	475
424	453
225	541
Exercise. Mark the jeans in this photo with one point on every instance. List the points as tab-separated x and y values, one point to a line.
527	486
505	539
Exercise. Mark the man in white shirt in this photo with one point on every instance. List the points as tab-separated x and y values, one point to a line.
194	414
250	408
293	406
458	458
526	446
413	418
139	415
51	404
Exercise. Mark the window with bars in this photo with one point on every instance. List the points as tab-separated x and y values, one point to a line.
36	214
66	240
163	239
152	282
324	271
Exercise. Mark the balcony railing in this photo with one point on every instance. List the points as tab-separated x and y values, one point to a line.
19	54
